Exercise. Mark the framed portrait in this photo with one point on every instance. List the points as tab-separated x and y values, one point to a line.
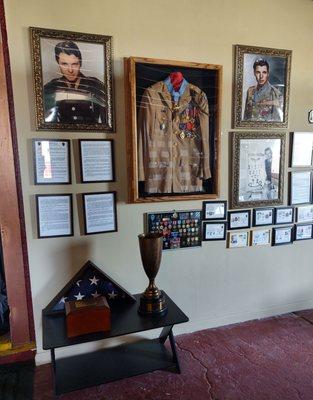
214	210
304	213
257	169
263	216
238	239
260	237
214	231
303	231
73	80
100	212
300	187
282	235
239	219
261	90
52	161
284	215
301	149
173	120
96	160
54	215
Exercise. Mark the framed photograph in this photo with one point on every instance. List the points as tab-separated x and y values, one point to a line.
96	160
263	216
257	169
54	215
52	161
173	117
304	213
303	231
214	231
100	212
214	210
301	149
73	80
300	187
238	239
261	95
260	237
239	219
282	235
284	215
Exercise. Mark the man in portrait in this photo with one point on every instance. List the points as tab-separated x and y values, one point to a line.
264	102
73	97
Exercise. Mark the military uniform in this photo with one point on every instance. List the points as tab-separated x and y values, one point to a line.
256	108
173	139
80	102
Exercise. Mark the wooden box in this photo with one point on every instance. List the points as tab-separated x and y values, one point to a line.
87	316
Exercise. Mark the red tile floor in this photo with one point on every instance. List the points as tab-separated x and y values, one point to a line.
269	359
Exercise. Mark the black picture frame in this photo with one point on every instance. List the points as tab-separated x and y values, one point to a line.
276	229
37	197
81	161
217	202
298	211
297	227
114	210
210	223
278	210
230	213
264	209
292	201
295	136
69	169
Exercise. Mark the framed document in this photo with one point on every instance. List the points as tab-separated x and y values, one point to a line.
54	215
282	235
300	191
261	237
239	219
301	151
214	210
96	160
304	213
100	212
214	231
52	161
284	215
263	216
238	239
303	231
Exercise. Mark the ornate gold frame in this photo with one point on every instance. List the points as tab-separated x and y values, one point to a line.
235	171
240	51
35	35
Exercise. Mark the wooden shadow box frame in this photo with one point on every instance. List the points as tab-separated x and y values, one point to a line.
140	76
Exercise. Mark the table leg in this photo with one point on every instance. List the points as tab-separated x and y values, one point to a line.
167	332
53	371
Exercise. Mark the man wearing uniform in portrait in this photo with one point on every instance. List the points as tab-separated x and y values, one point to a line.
264	102
173	137
73	97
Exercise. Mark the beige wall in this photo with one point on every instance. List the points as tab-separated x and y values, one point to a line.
214	286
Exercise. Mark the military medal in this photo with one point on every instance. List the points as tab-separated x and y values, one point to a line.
182	135
162	126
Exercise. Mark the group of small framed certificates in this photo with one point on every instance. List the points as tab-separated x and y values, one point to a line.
297	221
52	165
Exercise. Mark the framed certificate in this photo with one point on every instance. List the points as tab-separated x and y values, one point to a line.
239	219
263	216
303	231
54	215
214	231
300	187
52	161
260	237
96	160
301	150
238	239
282	235
284	215
214	210
100	212
304	213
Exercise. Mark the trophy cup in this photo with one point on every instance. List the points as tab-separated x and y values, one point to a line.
152	301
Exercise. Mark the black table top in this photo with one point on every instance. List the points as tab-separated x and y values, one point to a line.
124	320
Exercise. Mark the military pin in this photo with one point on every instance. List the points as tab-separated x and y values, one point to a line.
182	135
162	126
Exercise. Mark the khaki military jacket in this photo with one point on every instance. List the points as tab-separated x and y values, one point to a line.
173	140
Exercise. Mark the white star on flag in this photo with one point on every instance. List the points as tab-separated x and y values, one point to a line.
79	296
63	300
78	282
112	295
94	281
95	295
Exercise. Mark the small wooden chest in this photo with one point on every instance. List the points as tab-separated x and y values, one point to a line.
87	316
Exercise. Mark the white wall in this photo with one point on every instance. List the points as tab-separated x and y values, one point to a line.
213	285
